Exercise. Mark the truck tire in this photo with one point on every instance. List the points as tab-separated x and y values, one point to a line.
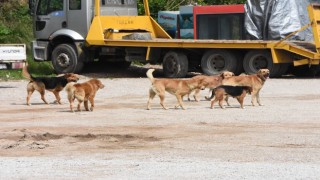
260	59
175	64
215	61
65	60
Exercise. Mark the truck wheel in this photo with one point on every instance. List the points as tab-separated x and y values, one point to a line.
175	65
260	59
65	60
216	61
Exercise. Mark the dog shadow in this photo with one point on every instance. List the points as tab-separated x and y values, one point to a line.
7	87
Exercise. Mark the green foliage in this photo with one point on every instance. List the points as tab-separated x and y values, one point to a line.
16	27
15	23
6	75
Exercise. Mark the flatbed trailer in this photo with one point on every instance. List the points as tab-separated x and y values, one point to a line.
123	38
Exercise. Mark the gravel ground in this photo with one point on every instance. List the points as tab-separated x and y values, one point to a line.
120	139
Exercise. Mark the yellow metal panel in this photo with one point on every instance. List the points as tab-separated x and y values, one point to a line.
148	53
295	49
95	35
306	62
280	56
146	7
187	43
161	33
116	24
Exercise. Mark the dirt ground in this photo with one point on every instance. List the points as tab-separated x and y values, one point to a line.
120	139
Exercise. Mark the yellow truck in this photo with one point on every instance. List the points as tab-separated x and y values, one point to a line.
71	33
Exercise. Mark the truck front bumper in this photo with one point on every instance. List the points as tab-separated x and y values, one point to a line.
40	50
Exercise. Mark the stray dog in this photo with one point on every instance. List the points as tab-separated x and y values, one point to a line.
177	87
211	82
53	84
83	92
238	92
256	81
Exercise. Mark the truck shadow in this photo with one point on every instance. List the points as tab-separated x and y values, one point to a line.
104	70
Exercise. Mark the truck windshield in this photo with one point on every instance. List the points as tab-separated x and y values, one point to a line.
46	7
119	7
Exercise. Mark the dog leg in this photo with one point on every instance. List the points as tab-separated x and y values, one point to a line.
28	96
240	100
56	94
91	99
79	105
180	102
151	96
221	104
227	100
253	98
42	92
71	100
162	101
86	104
189	99
196	95
212	102
258	99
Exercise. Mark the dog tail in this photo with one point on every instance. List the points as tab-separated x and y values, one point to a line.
149	75
25	72
212	95
70	90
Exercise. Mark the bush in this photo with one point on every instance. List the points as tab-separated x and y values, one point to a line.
16	27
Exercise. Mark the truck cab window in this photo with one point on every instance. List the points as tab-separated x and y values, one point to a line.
46	7
74	4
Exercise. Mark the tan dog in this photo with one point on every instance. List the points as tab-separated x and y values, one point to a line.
83	92
177	87
256	81
211	82
238	92
53	84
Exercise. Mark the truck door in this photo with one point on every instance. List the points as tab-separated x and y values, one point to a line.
79	16
49	17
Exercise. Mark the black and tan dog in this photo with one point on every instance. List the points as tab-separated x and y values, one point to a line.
223	91
53	84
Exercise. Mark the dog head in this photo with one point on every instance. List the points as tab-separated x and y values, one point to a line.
226	74
71	77
98	83
263	73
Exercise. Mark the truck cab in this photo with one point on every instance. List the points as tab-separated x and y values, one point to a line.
61	28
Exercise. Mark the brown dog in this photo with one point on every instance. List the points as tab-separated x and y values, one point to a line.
177	87
83	92
256	81
211	82
238	92
53	84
